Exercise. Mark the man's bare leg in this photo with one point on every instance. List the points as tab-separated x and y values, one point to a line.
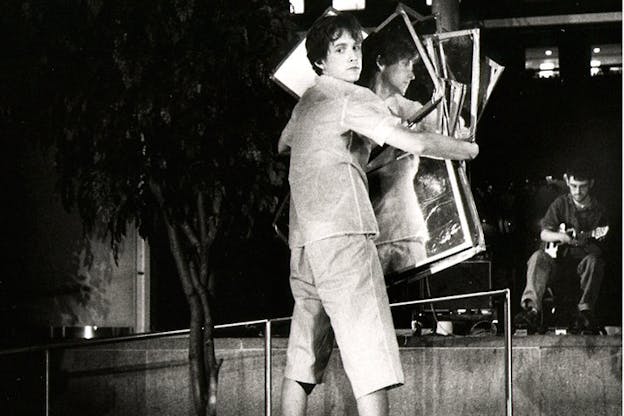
374	404
294	397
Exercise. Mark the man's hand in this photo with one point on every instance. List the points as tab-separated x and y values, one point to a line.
576	243
565	238
465	134
474	150
432	145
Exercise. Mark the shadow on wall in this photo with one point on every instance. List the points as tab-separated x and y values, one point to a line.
52	275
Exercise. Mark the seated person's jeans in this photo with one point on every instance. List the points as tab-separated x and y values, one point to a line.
541	269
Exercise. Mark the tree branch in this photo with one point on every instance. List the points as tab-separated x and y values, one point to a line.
201	213
201	291
192	237
213	228
205	243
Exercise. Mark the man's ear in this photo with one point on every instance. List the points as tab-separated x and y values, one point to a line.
380	65
320	65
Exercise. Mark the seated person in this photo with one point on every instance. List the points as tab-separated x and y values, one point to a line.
572	232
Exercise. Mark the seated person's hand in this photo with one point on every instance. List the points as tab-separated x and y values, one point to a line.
582	239
565	238
576	243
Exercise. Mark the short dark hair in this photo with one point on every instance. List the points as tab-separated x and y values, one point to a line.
580	170
389	46
327	29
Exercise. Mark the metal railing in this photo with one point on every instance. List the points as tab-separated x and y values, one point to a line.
268	382
507	337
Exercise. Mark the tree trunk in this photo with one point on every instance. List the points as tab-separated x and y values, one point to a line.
196	356
203	365
189	258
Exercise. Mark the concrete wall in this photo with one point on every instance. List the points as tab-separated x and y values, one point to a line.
51	275
444	376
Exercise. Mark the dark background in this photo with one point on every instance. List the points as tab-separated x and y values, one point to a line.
530	129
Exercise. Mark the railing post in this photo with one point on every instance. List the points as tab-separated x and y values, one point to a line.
508	329
508	347
267	368
47	383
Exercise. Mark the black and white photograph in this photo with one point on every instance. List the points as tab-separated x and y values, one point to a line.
311	207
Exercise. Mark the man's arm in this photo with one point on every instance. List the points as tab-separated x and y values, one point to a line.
550	236
431	144
550	224
368	115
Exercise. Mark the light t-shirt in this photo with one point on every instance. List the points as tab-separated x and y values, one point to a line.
329	189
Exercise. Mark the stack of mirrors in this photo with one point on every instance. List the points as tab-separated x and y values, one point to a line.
426	213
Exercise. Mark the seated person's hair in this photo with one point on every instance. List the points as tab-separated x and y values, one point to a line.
389	46
580	170
326	30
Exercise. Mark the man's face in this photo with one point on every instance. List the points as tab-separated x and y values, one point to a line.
579	189
398	76
344	58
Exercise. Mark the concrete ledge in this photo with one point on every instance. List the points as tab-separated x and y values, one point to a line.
553	375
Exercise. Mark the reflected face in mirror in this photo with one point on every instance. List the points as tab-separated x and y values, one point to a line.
398	76
344	58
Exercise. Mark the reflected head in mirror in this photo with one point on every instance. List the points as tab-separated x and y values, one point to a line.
333	46
388	62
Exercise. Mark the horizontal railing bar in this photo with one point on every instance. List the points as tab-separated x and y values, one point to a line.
133	337
454	297
257	322
152	335
95	341
286	318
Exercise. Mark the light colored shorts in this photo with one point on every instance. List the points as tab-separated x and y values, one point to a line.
339	290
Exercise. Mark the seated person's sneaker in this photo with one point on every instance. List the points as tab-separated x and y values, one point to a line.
528	319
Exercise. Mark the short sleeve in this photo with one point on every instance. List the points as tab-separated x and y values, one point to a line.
603	219
368	115
402	107
552	218
285	137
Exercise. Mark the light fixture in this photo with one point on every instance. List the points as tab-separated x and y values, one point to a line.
546	74
297	6
89	331
596	50
548	52
349	4
546	66
594	63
